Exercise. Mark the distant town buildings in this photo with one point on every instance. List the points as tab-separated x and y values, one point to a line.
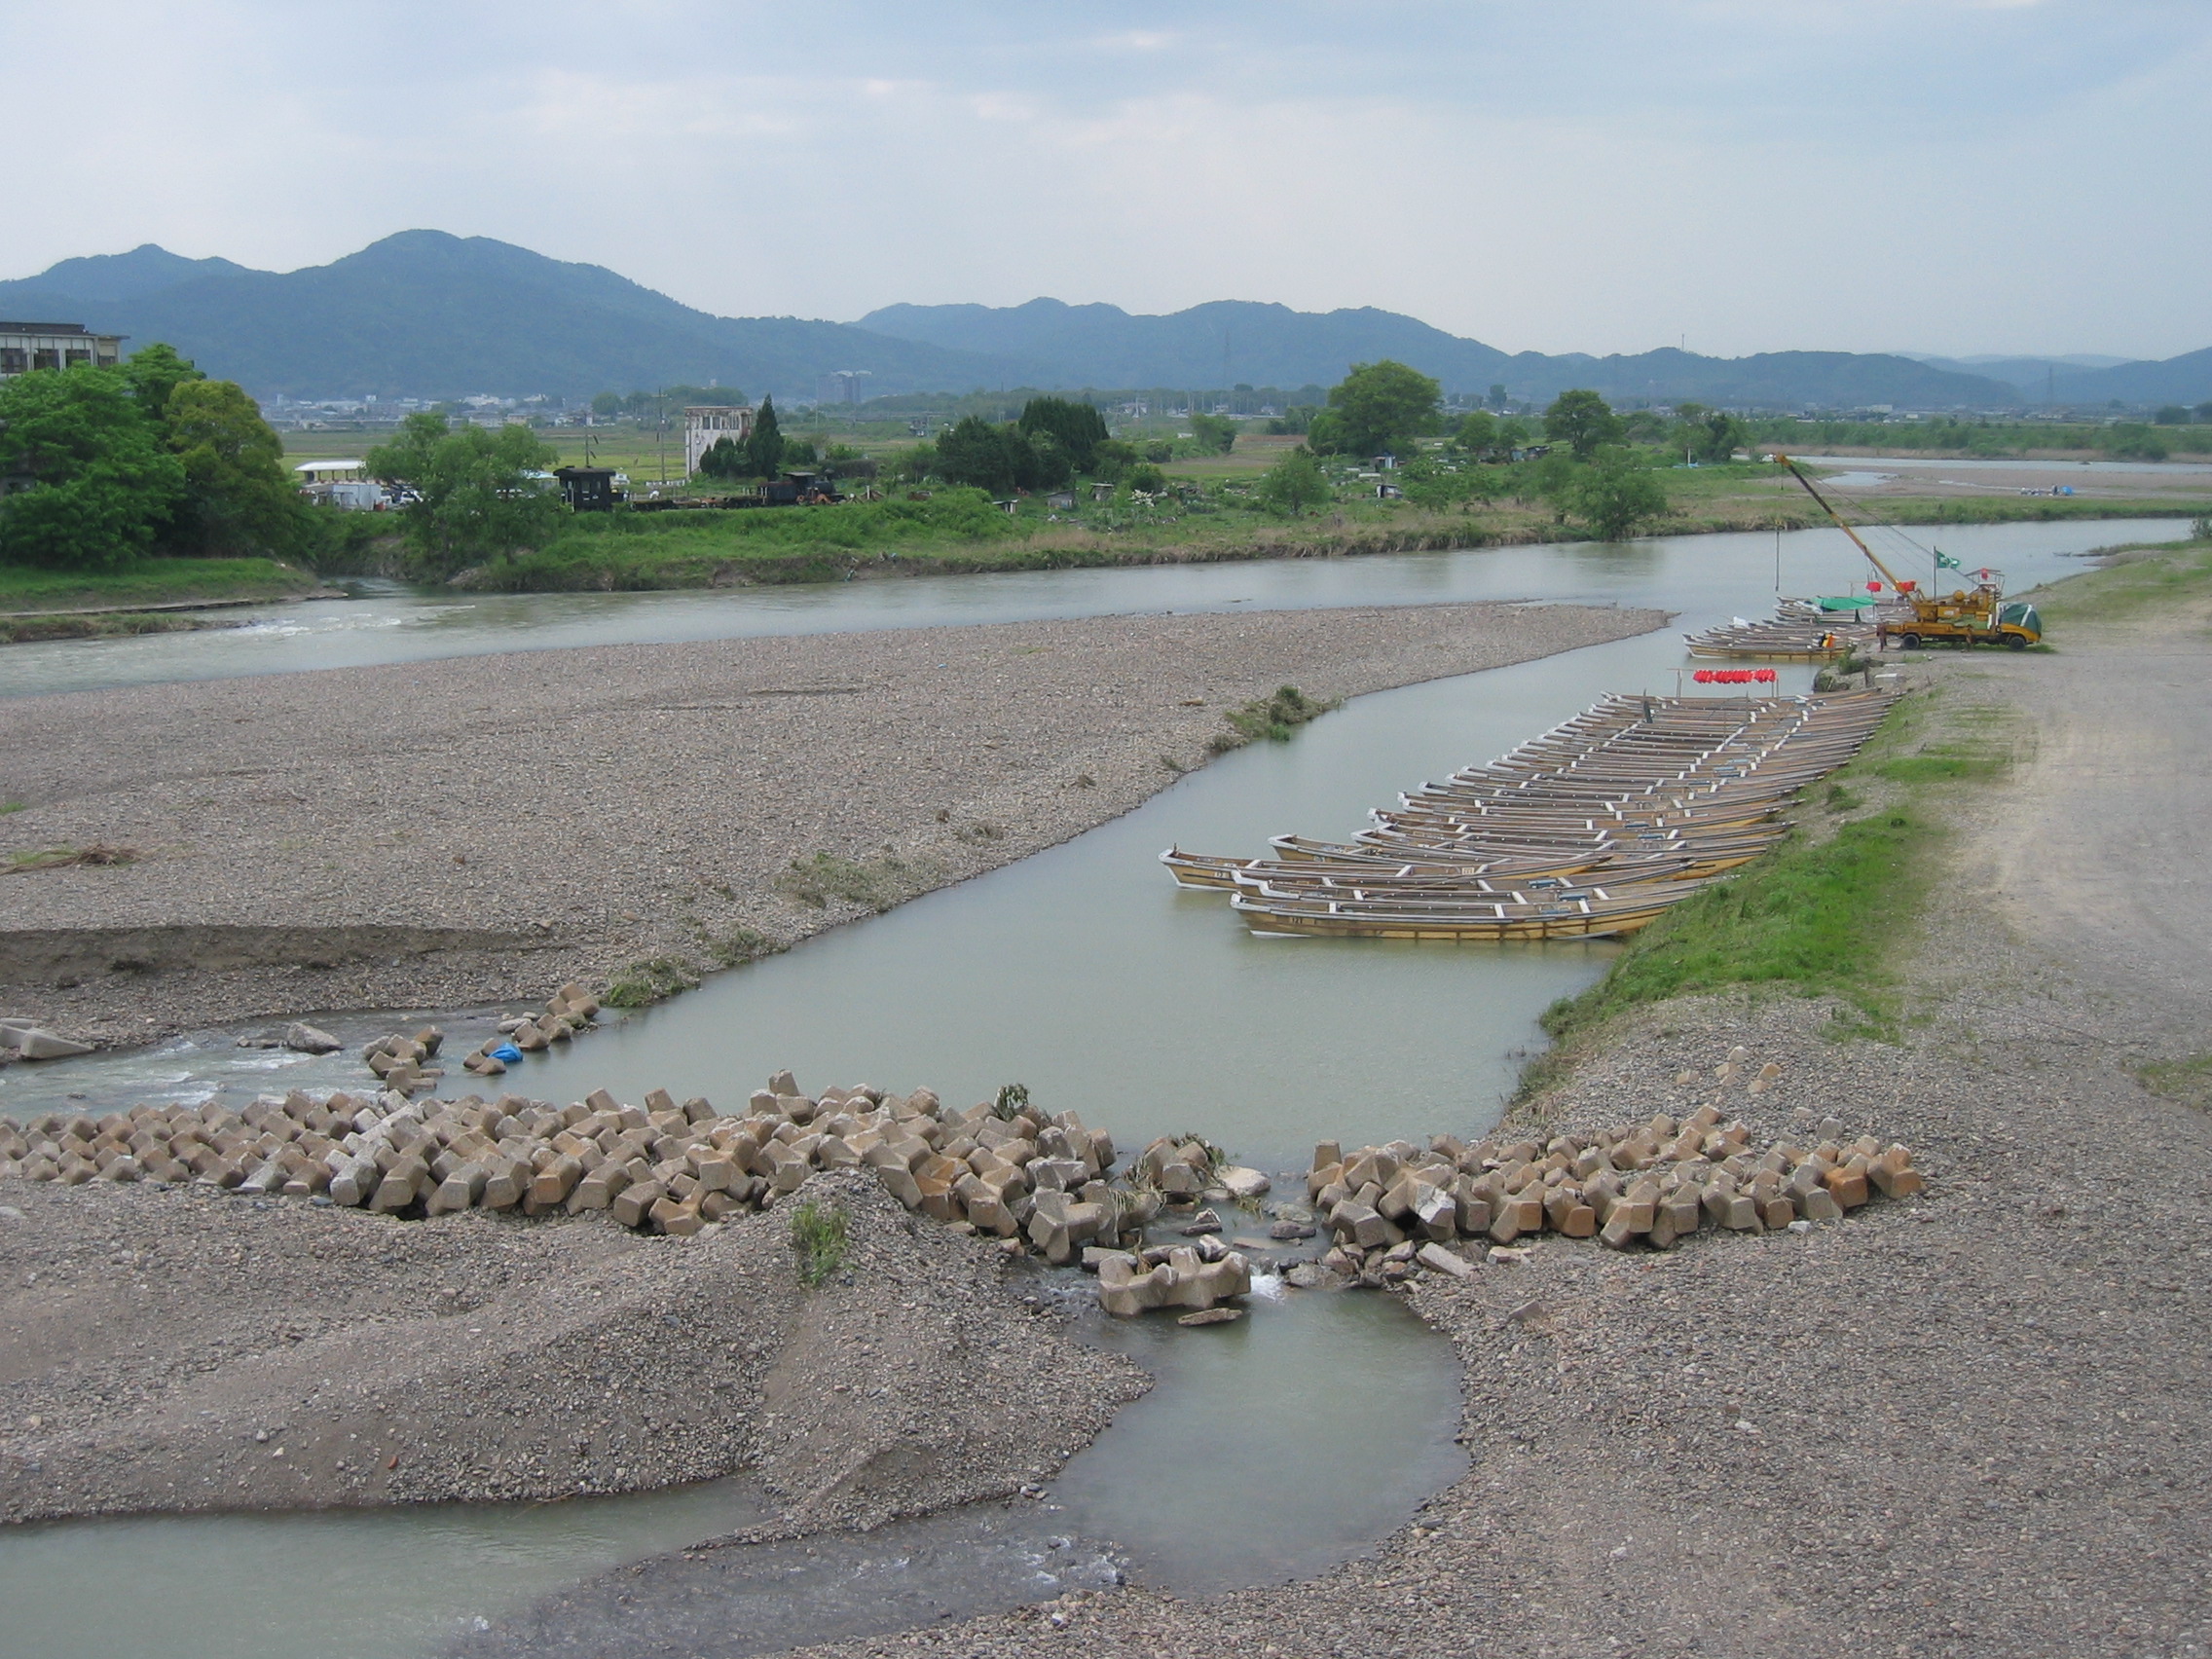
706	425
28	346
843	385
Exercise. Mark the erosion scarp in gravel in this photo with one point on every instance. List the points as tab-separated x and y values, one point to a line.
181	1350
432	835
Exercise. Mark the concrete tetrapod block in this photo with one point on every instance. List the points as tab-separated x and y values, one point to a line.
1443	1261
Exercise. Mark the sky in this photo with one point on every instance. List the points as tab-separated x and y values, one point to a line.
1954	176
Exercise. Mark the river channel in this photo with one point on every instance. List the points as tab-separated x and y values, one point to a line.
1080	971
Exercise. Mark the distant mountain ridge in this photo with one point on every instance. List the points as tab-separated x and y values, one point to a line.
1231	341
427	315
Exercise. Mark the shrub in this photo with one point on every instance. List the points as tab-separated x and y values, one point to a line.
819	1242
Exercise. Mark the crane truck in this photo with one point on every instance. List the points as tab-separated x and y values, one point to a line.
1979	615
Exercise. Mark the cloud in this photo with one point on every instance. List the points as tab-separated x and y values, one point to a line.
1851	173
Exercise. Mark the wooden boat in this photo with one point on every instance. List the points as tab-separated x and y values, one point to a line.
1595	912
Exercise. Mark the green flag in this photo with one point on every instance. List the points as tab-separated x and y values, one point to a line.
1945	562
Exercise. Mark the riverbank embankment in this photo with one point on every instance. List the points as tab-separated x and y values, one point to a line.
432	835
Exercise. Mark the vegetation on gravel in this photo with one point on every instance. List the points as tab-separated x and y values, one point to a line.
1276	718
876	883
819	1242
2187	1081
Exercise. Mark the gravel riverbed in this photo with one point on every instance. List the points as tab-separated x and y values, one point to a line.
485	829
186	1350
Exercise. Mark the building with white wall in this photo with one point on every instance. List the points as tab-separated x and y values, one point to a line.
707	425
28	346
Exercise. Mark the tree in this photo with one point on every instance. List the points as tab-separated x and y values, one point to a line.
997	459
154	372
2172	415
1616	494
915	464
1513	433
1114	458
102	485
1079	428
1708	434
1477	434
764	445
1216	434
475	495
725	457
1582	421
1497	396
1049	465
1294	484
607	403
1382	406
237	498
1147	478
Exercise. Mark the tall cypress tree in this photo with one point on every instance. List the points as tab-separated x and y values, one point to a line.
764	448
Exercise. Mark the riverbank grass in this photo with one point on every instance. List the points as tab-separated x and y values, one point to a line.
149	581
2138	578
1826	911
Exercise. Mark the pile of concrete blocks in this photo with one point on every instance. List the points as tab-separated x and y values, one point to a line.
661	1166
1649	1184
403	1063
273	1145
1184	1168
569	1010
1196	1275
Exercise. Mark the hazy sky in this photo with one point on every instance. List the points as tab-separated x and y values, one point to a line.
1937	176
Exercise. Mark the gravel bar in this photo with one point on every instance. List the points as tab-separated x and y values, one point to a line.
484	829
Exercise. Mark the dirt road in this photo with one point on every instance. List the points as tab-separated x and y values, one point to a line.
2096	847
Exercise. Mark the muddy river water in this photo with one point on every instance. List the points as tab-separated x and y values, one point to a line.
1080	971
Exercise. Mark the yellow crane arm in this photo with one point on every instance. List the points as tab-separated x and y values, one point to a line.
1886	574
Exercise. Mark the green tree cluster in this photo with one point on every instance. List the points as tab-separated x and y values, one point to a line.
669	400
1294	484
107	464
1708	434
473	494
1214	434
1076	428
995	456
1377	408
1582	421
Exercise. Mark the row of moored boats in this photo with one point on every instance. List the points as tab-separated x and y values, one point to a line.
1595	827
1798	631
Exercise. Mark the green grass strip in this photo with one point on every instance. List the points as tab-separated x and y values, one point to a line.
1815	916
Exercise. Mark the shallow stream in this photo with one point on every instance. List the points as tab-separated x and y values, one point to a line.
1081	971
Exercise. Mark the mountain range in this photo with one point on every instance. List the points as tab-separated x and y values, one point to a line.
427	315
